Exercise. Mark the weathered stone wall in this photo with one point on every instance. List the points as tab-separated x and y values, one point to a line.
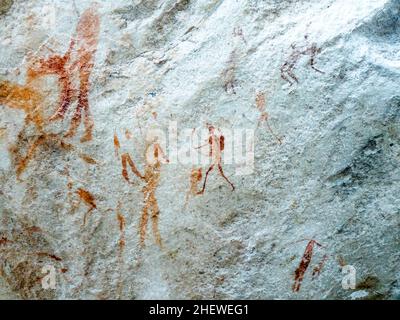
81	84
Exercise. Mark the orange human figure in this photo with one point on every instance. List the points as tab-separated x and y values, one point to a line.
153	154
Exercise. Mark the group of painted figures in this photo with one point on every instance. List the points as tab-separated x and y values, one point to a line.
73	71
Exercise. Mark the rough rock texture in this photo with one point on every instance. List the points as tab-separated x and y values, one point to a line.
326	155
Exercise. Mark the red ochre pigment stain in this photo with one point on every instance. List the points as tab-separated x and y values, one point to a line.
77	61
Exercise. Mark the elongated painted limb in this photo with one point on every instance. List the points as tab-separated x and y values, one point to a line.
223	175
159	151
84	100
154	218
65	99
205	179
317	269
312	63
202	146
125	160
273	133
29	155
143	224
89	124
313	52
87	214
76	120
284	77
292	75
304	263
83	103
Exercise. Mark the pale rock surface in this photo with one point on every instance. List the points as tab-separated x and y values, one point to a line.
335	177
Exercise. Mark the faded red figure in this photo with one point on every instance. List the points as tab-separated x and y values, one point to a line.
73	70
304	264
154	158
264	116
196	175
216	143
287	69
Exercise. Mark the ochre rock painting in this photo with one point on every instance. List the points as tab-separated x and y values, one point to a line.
304	264
287	69
216	144
321	113
76	63
196	175
264	116
73	70
154	157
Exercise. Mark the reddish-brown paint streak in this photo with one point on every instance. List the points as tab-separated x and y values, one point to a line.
63	270
318	268
23	97
24	161
87	159
121	223
128	134
28	99
4	240
125	161
89	199
304	263
79	58
33	229
52	256
196	176
55	65
117	145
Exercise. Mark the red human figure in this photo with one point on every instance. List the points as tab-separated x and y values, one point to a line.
78	60
216	143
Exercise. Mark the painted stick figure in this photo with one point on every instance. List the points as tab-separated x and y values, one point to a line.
264	116
217	145
287	68
154	156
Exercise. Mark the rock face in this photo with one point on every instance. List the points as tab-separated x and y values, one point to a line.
94	204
